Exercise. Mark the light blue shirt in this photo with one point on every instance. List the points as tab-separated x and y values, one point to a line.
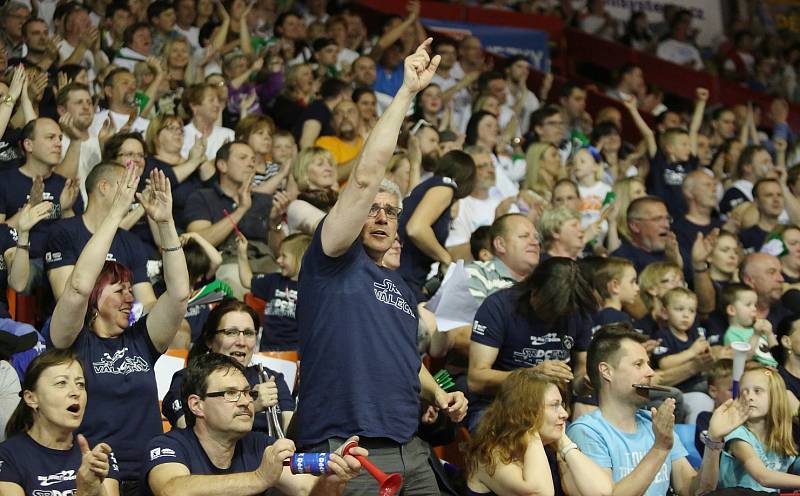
621	451
732	472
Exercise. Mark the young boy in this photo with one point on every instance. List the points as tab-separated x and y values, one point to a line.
720	385
615	282
682	345
673	158
739	302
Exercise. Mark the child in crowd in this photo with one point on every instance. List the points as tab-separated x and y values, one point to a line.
480	244
681	343
758	453
739	302
615	283
202	262
720	389
279	290
587	173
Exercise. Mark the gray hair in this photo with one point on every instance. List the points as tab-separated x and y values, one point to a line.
12	6
389	186
552	219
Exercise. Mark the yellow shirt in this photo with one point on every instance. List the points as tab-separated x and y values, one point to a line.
342	151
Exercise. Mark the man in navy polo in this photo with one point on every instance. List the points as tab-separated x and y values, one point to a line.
68	237
651	237
218	452
254	214
357	320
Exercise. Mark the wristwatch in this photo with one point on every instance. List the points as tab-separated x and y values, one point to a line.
8	100
566	449
709	443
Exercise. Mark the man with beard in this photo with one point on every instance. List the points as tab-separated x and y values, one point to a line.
74	105
346	144
42	52
119	88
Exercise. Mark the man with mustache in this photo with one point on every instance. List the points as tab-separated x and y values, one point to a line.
346	144
218	453
119	88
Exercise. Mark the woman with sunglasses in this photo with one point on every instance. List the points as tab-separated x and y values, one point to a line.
43	455
93	318
232	330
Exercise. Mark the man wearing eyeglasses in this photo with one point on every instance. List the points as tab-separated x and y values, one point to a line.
219	454
357	320
651	237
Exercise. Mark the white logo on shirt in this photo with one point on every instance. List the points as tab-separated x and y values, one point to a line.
52	256
55	492
388	293
49	480
109	364
161	452
282	304
478	328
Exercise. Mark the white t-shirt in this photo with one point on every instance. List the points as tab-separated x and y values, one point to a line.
87	61
592	202
530	105
680	52
472	214
192	34
119	120
219	135
91	155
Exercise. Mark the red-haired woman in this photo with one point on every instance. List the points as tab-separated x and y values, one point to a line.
506	454
92	318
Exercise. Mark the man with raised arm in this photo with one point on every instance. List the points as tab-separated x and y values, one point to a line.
357	320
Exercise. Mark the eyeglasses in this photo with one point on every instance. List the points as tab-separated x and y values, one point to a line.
232	332
233	395
390	211
131	155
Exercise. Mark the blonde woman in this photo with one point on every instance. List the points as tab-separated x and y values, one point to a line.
543	169
314	173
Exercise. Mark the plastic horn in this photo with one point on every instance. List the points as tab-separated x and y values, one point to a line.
389	484
740	351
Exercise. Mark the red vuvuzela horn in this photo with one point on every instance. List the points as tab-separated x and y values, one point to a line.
390	484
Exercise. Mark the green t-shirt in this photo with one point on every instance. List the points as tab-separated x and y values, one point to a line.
743	334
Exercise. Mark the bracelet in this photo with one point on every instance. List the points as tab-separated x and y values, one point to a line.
278	227
8	100
699	271
566	449
24	247
710	443
174	248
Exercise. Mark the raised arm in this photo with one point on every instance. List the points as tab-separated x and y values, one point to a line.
165	319
697	118
19	264
15	90
347	217
647	133
70	310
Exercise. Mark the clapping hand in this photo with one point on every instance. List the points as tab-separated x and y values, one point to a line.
157	200
94	463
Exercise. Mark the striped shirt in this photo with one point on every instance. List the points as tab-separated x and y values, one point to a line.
487	277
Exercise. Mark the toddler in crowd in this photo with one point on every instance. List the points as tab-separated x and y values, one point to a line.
279	290
739	302
614	281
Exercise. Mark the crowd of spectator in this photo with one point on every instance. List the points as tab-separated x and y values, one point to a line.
166	165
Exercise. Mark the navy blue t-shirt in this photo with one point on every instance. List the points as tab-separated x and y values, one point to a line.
68	237
665	180
414	264
792	382
686	232
43	471
172	407
637	256
278	327
752	238
358	324
671	345
15	188
646	325
182	446
8	239
607	316
210	204
522	341
123	398
319	112
142	229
